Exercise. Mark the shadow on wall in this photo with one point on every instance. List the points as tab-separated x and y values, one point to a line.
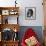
37	29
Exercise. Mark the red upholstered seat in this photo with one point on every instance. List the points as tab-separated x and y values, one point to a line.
29	33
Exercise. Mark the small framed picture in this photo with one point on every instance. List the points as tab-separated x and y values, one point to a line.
5	12
30	13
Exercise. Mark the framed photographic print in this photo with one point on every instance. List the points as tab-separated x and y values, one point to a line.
5	12
30	13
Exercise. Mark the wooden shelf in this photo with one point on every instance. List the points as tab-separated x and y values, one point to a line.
9	43
11	26
9	8
4	13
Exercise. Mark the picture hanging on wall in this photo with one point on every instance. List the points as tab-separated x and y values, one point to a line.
30	13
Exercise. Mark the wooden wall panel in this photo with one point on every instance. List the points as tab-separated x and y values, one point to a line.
11	26
44	6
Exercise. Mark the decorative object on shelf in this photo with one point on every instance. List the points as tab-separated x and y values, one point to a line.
30	13
7	34
15	37
15	34
15	3
6	21
13	12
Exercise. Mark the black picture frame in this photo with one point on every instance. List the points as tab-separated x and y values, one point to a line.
30	13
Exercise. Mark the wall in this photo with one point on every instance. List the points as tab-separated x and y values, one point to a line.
39	13
23	4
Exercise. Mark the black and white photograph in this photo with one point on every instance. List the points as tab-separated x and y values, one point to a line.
30	13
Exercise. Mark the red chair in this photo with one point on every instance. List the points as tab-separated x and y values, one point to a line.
29	33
